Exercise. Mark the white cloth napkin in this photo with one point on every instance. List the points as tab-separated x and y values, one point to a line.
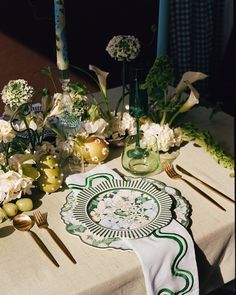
167	256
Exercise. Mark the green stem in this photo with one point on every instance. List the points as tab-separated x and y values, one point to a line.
163	119
29	133
172	118
119	102
123	88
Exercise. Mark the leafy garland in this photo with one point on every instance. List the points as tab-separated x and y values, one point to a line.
205	140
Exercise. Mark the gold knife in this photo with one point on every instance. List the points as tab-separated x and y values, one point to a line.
206	184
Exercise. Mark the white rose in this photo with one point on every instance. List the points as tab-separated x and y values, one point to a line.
12	185
6	132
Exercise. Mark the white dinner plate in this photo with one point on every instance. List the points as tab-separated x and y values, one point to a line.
118	208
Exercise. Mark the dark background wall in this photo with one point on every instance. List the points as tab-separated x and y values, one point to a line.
89	26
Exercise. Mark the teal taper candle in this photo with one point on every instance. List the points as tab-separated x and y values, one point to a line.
162	31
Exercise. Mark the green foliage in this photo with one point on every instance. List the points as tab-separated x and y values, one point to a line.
160	76
205	140
78	88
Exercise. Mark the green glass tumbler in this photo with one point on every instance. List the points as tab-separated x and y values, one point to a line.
142	159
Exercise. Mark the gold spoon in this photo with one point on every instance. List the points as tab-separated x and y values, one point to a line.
23	222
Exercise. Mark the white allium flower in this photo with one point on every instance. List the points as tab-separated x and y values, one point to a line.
13	185
123	47
6	132
16	93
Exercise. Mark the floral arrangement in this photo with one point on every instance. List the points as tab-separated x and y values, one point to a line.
34	144
38	142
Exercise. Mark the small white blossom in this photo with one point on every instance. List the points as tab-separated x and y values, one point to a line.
123	47
6	132
16	93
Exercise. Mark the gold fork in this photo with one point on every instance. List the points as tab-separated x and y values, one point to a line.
170	171
41	221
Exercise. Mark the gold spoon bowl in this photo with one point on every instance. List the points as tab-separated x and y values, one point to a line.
23	222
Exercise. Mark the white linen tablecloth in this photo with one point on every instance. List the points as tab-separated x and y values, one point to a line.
25	270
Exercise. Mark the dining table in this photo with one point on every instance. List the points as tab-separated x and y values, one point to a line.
24	269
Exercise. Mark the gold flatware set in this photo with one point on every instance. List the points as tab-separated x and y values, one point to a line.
41	221
203	182
171	172
24	222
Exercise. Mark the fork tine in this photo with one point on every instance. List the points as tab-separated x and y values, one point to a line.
44	217
169	169
38	217
170	174
174	171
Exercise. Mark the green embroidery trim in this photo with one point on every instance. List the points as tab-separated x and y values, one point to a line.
185	274
89	180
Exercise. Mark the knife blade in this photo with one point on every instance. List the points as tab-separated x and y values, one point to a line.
181	169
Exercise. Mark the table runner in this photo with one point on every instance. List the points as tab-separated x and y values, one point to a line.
167	256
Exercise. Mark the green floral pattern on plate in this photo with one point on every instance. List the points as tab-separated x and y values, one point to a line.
181	212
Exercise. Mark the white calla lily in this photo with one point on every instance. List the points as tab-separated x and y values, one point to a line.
191	77
192	100
102	78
